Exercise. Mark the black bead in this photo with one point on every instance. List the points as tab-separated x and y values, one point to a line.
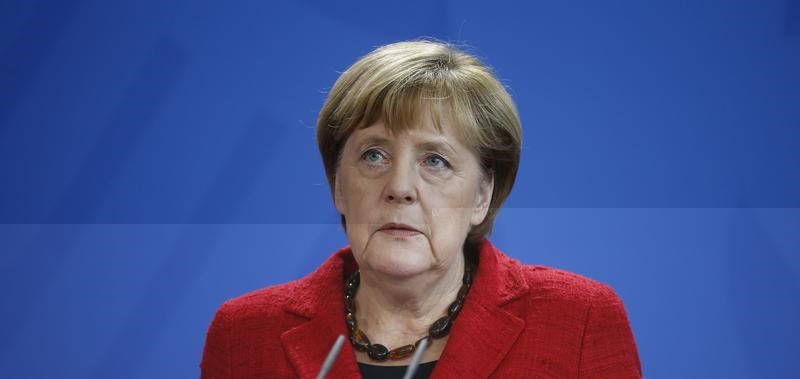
462	293
350	303
468	276
378	352
441	327
454	308
352	282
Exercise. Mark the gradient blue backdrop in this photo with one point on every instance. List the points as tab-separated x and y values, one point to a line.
158	158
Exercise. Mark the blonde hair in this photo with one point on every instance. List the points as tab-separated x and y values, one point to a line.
394	83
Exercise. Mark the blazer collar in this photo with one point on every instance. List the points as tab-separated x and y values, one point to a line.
491	320
319	300
483	333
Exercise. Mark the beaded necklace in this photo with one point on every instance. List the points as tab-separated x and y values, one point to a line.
378	352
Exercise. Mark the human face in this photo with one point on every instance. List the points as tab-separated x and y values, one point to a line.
409	199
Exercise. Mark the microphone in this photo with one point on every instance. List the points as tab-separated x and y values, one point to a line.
331	358
412	367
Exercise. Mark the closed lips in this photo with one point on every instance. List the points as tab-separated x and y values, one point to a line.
394	226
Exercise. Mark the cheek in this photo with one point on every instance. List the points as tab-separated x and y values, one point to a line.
349	197
357	236
449	228
450	218
457	196
356	209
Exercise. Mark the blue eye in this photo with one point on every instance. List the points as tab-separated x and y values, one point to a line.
373	156
436	161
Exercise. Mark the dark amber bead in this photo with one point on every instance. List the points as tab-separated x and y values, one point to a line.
401	352
440	328
359	339
454	308
378	352
350	319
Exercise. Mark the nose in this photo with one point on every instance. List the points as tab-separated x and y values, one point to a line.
401	184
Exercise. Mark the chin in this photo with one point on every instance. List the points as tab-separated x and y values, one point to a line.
399	263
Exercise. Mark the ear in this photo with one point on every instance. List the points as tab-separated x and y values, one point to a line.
338	199
483	200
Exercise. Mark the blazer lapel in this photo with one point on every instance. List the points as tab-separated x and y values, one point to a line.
491	321
321	305
308	344
482	335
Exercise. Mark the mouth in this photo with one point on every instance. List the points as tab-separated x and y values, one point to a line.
399	230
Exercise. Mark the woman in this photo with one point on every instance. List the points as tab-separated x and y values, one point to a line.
421	146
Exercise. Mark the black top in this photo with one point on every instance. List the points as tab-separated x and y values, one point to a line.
394	372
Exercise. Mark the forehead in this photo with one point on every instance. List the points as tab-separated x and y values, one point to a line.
428	124
424	135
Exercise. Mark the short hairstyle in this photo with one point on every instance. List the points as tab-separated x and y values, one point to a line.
393	83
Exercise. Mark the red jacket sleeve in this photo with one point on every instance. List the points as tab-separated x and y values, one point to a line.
216	363
608	349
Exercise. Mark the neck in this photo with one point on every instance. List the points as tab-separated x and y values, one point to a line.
396	312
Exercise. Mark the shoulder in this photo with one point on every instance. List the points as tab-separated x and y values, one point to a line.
578	319
269	299
249	327
549	284
255	308
588	313
289	301
553	288
552	283
548	291
239	325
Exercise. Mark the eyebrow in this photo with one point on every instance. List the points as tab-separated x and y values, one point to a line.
375	140
440	145
437	146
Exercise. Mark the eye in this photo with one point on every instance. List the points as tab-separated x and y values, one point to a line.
436	161
373	156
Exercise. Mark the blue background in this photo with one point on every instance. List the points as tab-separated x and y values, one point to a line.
158	158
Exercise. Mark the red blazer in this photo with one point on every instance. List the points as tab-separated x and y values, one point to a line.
518	321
